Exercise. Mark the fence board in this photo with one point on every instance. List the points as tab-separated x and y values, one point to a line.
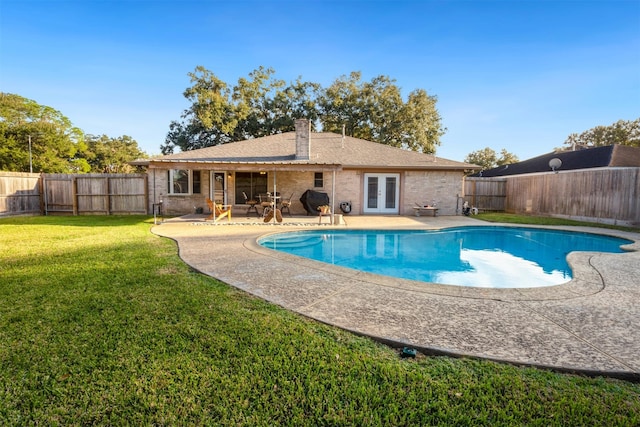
128	195
19	193
58	193
487	194
93	194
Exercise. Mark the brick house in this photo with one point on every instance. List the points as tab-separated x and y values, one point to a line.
374	178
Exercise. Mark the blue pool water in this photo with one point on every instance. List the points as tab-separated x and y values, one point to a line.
495	257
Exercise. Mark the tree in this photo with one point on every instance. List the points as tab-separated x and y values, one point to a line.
261	105
343	105
375	111
56	145
268	106
623	132
422	126
277	112
110	155
488	158
506	158
209	121
257	106
54	140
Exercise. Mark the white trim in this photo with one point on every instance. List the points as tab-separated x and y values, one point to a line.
225	185
381	197
170	183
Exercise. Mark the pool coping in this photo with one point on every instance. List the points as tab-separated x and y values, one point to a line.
583	326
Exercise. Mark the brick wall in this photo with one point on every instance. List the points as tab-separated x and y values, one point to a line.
443	187
176	204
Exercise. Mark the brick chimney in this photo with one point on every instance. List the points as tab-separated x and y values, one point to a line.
303	139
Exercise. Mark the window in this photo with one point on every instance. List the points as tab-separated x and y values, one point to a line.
196	182
183	181
318	180
251	183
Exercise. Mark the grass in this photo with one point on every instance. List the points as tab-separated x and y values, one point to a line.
538	220
102	324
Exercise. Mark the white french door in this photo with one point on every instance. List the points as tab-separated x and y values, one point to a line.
381	193
218	189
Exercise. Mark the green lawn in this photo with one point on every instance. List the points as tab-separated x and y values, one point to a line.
101	323
525	219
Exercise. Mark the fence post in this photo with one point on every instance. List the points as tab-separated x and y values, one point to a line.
74	195
41	190
146	194
108	195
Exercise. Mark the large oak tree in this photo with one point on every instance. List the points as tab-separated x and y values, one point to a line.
376	111
262	105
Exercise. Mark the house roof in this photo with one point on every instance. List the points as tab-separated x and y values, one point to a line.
325	149
598	157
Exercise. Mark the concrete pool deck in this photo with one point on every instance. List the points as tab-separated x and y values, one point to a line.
590	325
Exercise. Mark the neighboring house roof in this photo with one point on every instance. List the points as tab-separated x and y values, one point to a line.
598	157
325	149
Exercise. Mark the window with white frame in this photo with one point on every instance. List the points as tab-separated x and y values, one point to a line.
183	181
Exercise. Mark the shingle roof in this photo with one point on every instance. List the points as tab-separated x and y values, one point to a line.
326	149
607	156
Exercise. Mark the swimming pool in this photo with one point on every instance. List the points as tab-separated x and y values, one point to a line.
494	257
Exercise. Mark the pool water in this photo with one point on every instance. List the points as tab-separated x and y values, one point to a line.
493	257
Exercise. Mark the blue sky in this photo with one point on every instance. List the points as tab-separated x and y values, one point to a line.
519	75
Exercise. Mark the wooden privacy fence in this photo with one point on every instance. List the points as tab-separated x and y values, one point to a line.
487	194
608	195
20	193
88	194
77	194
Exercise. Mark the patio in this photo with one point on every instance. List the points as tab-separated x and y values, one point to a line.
588	325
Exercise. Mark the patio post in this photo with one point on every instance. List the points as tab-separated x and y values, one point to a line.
212	191
333	196
274	200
